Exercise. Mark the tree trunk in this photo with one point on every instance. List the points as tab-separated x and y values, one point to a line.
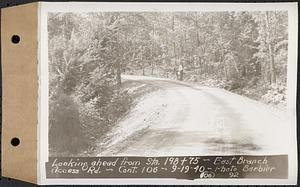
119	81
173	23
143	67
152	68
198	38
173	29
272	64
205	70
270	50
198	35
225	72
174	49
152	60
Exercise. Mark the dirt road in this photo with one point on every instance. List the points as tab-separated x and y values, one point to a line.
187	119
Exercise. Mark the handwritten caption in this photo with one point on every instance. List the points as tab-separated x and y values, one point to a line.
182	167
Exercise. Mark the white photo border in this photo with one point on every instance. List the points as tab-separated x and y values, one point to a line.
46	7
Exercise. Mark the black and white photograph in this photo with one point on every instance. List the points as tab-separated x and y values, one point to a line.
169	83
159	83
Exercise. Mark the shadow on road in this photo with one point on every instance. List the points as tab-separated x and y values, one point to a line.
238	140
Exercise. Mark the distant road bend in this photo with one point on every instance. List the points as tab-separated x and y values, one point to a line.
188	119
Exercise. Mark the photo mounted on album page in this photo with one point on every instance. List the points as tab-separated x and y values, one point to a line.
167	93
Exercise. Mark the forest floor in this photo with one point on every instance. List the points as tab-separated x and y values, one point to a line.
274	95
170	117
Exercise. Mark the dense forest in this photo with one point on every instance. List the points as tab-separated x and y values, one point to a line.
243	52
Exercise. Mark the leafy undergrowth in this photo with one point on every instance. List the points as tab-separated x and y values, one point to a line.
78	123
136	90
274	95
94	121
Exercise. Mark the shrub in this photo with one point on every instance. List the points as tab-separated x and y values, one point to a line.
65	130
275	95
